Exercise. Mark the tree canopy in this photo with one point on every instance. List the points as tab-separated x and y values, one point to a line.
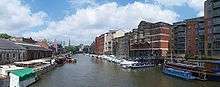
4	36
72	49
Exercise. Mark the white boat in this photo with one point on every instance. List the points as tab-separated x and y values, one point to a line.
132	64
141	66
127	64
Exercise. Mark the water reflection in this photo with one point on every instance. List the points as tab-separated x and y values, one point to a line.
90	72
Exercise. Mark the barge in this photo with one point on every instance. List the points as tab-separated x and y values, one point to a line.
194	70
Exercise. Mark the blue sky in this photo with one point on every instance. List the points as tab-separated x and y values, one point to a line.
58	9
82	20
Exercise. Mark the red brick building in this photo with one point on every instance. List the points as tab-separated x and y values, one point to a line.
195	37
191	47
150	39
99	44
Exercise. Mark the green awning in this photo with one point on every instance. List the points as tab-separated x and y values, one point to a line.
25	73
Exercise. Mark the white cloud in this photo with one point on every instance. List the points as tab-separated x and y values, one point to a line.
82	3
16	17
197	5
171	2
85	24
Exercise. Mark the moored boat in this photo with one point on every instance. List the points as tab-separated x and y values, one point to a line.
141	65
71	60
23	77
179	73
196	69
133	65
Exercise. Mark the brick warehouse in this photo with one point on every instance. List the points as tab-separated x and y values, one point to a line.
150	39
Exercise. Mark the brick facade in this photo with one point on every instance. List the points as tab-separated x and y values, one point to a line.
191	41
99	44
150	39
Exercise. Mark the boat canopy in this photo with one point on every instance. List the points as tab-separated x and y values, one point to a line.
24	74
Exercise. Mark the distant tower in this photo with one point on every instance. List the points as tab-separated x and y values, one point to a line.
64	43
55	45
69	42
61	42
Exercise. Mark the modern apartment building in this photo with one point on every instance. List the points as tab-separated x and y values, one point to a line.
212	27
127	45
118	47
188	37
179	38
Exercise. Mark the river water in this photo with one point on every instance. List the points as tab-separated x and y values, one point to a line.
90	72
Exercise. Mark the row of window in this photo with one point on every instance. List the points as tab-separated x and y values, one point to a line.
216	12
216	4
216	20
9	55
216	44
216	29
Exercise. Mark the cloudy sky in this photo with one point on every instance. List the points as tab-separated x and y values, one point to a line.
82	20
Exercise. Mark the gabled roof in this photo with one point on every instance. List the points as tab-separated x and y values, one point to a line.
5	44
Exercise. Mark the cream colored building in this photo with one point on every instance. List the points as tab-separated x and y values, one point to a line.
108	42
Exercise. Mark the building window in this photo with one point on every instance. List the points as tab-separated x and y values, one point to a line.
216	29
19	56
13	55
0	56
7	55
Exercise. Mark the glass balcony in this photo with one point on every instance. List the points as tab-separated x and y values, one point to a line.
216	5
216	20
216	29
216	13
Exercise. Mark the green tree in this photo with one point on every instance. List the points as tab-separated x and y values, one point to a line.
72	49
5	36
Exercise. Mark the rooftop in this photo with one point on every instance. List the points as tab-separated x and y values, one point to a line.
5	44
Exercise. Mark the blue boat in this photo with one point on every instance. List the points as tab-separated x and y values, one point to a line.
179	73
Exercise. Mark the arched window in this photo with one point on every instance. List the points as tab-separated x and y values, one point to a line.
7	55
19	56
13	55
0	56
